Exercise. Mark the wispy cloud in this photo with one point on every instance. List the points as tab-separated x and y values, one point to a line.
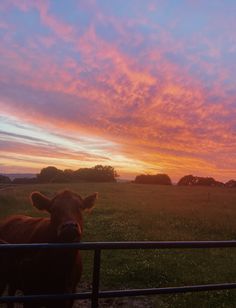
157	90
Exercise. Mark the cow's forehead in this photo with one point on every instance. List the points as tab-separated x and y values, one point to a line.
67	195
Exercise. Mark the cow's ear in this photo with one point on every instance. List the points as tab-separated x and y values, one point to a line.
40	201
89	202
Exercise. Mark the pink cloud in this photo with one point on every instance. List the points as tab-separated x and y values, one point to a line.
159	112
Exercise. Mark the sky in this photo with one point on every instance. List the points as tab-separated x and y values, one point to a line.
144	86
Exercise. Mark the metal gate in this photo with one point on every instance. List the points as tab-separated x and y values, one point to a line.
97	247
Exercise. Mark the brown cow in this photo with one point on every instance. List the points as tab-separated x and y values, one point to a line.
48	271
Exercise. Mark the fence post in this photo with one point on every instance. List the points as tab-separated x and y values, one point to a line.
96	277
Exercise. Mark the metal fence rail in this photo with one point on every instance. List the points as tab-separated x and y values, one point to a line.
98	247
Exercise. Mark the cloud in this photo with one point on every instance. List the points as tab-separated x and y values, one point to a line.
162	96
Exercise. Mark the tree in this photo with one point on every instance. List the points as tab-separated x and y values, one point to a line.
190	180
98	173
105	173
4	179
205	181
159	179
231	184
187	180
66	176
48	174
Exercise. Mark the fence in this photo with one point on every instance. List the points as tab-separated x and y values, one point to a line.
97	248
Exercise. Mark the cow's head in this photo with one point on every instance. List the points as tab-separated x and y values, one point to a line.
66	212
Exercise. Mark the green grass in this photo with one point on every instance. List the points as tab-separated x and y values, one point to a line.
130	212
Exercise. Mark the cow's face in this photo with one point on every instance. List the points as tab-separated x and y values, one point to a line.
66	212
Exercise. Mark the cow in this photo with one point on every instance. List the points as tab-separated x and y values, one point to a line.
51	271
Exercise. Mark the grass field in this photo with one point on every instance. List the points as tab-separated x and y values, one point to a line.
129	212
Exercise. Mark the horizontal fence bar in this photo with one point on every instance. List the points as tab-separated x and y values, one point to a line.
167	290
125	245
31	298
120	293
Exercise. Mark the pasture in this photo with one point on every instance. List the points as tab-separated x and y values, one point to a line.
130	212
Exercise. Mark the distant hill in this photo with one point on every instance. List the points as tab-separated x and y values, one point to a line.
12	176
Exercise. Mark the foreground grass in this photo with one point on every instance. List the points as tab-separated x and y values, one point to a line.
130	212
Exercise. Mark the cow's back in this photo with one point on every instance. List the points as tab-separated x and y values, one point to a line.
25	229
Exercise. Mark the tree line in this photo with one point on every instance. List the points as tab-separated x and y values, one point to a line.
101	173
51	174
187	180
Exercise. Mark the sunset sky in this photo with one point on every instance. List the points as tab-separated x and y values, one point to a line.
144	86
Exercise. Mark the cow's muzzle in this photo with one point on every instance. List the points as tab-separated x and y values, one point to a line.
69	231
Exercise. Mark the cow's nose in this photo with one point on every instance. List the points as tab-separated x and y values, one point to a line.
69	224
69	231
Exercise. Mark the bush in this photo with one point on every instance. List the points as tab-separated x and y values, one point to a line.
4	179
231	184
160	179
190	180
